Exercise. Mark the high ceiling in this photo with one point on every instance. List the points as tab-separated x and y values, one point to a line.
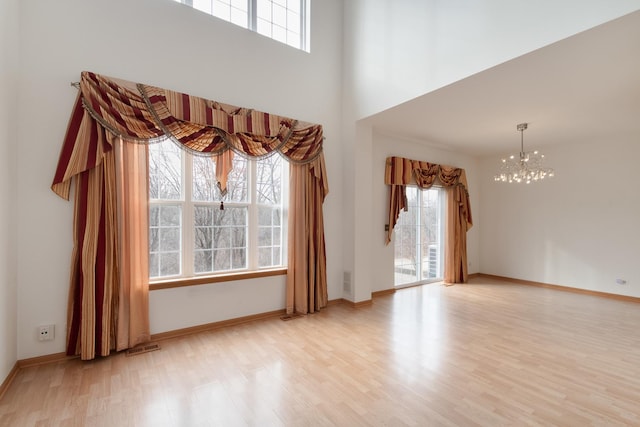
585	88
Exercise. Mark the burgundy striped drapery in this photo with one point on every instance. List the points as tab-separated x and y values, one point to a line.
400	172
108	110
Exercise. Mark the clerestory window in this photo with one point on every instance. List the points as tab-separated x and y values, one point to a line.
286	21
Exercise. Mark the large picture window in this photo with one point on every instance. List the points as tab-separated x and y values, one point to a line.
191	233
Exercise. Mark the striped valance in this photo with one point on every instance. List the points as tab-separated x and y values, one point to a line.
402	171
144	113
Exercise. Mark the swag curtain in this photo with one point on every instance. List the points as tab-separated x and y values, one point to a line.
400	172
109	110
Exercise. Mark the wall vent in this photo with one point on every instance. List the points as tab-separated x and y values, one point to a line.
346	282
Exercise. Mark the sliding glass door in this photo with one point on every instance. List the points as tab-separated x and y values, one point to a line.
419	237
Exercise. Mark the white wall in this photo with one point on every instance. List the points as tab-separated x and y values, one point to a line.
9	62
170	45
579	229
404	49
385	145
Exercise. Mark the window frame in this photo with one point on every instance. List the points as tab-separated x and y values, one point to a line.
188	276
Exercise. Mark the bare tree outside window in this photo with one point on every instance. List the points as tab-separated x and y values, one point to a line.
220	234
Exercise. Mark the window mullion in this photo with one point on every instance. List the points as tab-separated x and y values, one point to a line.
252	7
419	233
303	25
187	216
252	247
284	218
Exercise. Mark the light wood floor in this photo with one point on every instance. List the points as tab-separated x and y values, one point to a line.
480	354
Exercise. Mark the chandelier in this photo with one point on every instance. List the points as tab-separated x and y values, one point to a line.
526	167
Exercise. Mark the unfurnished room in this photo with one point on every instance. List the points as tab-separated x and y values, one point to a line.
319	213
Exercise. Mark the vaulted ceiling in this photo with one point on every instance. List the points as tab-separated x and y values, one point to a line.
585	88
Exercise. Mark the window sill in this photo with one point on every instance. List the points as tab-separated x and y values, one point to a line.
205	280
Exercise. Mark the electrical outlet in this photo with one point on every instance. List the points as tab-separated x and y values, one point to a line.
46	332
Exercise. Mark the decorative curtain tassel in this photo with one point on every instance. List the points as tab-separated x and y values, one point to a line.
221	205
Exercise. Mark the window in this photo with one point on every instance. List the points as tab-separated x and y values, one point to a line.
190	235
283	20
418	237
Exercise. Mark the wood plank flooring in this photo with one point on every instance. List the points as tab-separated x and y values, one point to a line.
482	354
